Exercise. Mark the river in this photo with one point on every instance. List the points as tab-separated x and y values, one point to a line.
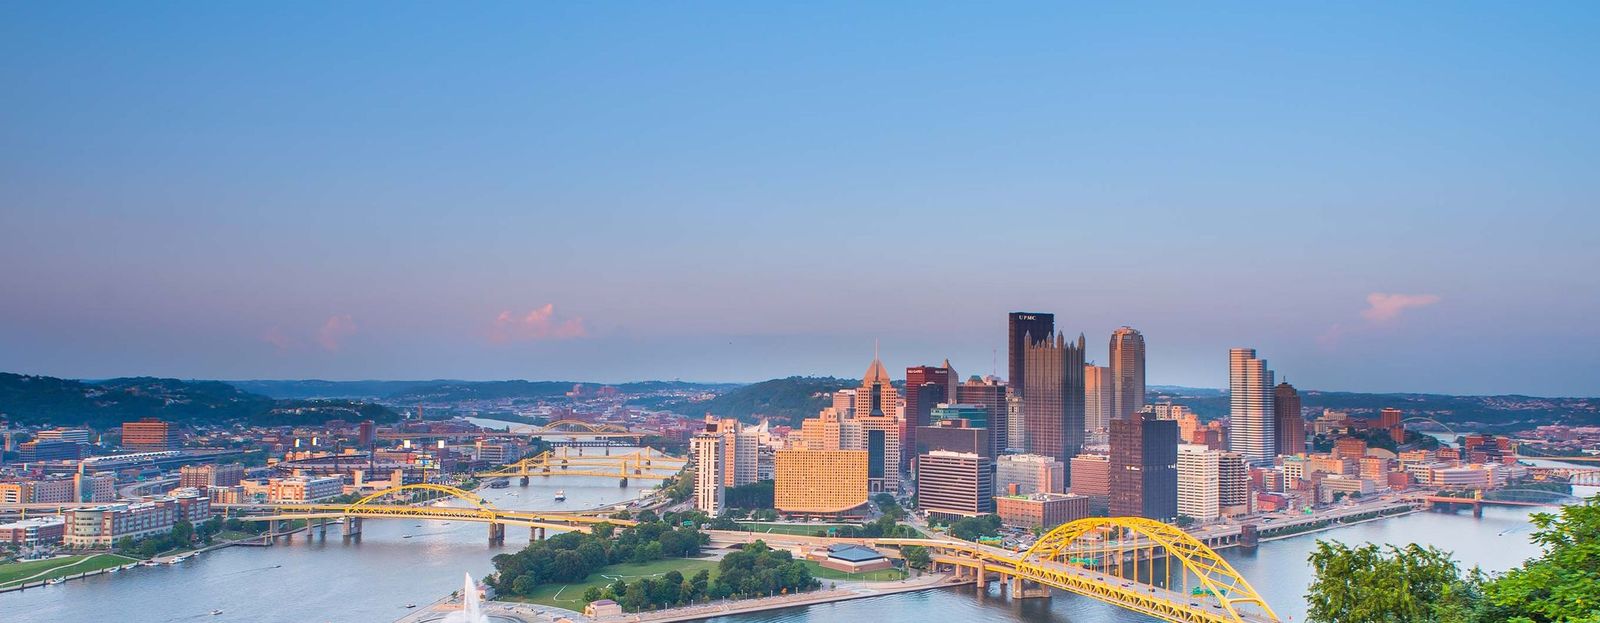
371	580
310	580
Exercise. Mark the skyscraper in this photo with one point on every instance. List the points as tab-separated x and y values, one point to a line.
1127	372
1290	424
916	404
991	394
1251	427
878	412
926	387
1052	407
1019	326
1096	397
1144	467
877	396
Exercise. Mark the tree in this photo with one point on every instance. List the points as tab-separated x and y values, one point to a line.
1561	585
970	528
593	594
1183	521
916	556
1368	584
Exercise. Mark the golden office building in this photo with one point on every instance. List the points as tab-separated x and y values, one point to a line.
820	482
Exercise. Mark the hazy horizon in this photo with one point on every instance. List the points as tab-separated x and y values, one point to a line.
1381	197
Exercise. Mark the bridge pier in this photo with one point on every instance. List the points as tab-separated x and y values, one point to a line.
352	528
624	482
535	533
497	534
524	481
1020	589
1477	511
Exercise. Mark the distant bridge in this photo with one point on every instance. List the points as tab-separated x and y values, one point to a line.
636	465
369	507
591	431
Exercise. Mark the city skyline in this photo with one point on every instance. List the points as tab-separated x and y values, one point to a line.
680	198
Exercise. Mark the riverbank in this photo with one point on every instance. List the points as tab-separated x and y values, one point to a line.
842	592
21	575
107	565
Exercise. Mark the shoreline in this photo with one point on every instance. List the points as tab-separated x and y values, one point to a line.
534	612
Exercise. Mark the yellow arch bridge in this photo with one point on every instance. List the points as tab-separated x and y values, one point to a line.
1141	565
371	507
643	464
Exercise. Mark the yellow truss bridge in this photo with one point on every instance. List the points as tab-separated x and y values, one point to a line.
1138	564
645	464
480	511
578	426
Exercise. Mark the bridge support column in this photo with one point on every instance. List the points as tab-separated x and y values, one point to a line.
1477	511
352	527
624	482
497	534
982	577
322	529
524	481
1021	590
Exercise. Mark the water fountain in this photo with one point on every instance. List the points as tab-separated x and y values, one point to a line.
471	608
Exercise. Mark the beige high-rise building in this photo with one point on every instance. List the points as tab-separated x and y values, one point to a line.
1211	483
741	447
709	459
1096	398
1127	372
1252	431
819	482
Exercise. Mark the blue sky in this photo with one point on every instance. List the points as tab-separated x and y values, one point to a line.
1377	197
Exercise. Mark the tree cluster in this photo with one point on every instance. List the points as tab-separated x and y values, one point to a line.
1358	585
754	496
573	556
970	528
755	571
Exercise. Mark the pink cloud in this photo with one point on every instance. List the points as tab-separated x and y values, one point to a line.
1384	308
335	330
278	339
538	324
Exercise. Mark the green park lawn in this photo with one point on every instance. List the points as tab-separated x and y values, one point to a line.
801	529
824	573
570	596
39	570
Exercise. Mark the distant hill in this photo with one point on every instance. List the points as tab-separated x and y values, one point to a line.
314	388
1488	413
450	389
36	400
786	401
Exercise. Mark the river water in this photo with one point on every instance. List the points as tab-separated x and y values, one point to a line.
371	580
311	580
